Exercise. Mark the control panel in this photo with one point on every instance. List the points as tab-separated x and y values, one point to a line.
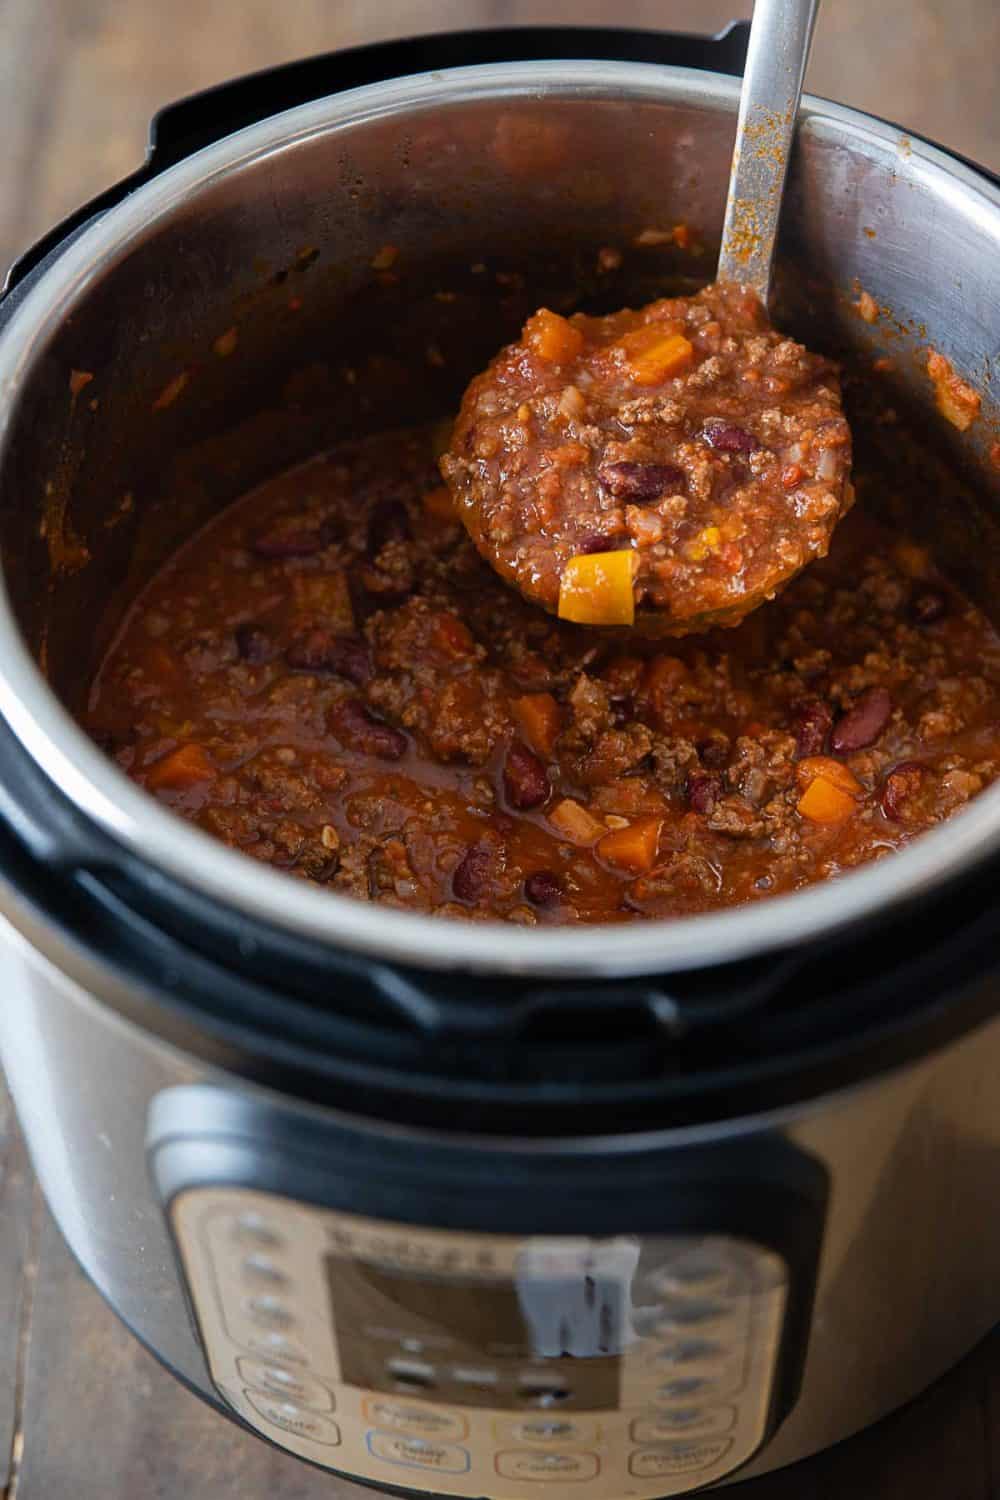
481	1364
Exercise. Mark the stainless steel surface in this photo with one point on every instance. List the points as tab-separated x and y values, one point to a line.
425	164
780	37
907	1278
682	1404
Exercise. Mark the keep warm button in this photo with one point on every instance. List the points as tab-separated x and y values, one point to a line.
677	1458
417	1453
528	1464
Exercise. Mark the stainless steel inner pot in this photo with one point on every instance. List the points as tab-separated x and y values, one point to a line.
124	426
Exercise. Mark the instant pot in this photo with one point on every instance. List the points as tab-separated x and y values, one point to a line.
463	1208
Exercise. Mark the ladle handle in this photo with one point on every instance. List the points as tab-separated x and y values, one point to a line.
780	37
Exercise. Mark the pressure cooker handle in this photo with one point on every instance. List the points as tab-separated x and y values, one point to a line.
192	123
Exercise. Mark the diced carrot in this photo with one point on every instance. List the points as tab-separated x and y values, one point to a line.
632	848
824	767
956	399
181	769
575	823
596	589
822	802
652	354
538	717
438	503
552	337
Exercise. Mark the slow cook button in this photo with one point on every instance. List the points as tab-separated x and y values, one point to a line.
680	1457
533	1464
552	1432
289	1384
683	1421
294	1419
275	1346
414	1419
417	1453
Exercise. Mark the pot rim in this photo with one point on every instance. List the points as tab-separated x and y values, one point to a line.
103	793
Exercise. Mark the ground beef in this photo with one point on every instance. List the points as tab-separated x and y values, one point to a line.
690	434
331	680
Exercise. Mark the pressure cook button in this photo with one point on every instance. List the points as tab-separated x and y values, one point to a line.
269	1312
290	1384
414	1418
544	1467
683	1421
681	1352
681	1457
694	1273
417	1453
294	1419
696	1313
257	1233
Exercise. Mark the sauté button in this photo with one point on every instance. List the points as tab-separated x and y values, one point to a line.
536	1465
677	1458
414	1419
417	1453
289	1384
256	1232
295	1419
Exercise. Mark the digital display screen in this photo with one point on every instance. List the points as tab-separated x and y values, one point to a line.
552	1334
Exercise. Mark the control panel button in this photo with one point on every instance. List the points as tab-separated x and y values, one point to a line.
290	1384
698	1388
414	1419
257	1233
549	1432
480	1378
294	1419
696	1273
697	1313
677	1458
683	1353
269	1312
260	1270
683	1421
418	1453
544	1467
275	1346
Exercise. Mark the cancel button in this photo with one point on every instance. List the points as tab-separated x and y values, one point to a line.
530	1463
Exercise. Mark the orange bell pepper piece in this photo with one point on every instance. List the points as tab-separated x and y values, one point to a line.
552	337
652	355
181	770
596	588
539	719
831	790
633	848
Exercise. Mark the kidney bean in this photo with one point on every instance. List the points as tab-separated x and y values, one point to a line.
296	541
633	481
388	522
703	791
471	876
320	651
357	728
902	782
726	437
929	607
812	725
253	643
543	888
593	541
525	783
863	722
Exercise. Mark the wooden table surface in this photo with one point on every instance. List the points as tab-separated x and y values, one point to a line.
85	1413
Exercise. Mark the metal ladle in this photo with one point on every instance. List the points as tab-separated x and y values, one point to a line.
780	36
